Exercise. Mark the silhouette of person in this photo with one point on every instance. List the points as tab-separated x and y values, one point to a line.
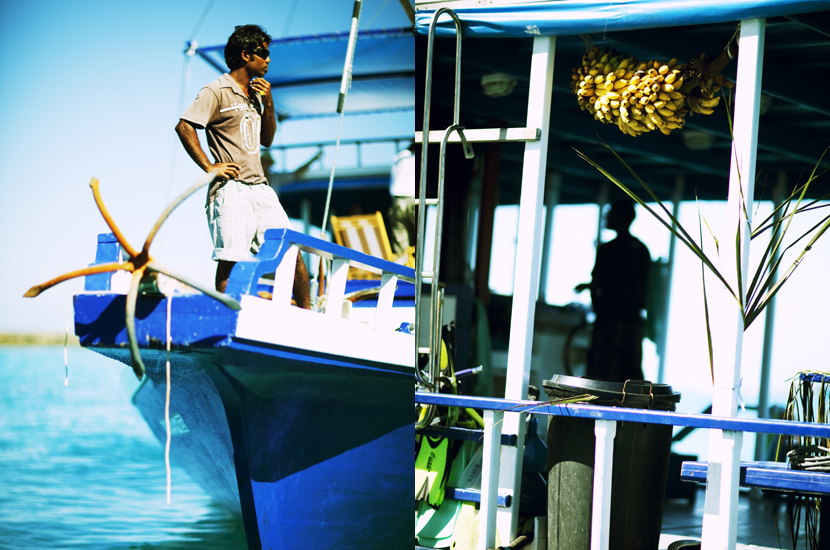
618	296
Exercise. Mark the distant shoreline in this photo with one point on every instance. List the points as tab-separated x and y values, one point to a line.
36	339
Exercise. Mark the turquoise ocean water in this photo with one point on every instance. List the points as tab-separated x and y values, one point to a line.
79	468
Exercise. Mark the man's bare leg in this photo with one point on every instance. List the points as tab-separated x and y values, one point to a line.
301	290
223	273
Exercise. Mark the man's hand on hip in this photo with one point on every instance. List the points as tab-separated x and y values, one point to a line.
226	170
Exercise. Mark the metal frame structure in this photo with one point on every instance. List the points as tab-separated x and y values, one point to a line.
502	468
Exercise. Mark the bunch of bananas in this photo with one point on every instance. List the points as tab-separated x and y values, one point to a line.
640	96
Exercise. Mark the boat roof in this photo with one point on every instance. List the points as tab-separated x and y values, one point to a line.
794	129
308	70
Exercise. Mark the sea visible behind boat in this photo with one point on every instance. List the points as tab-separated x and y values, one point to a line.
81	469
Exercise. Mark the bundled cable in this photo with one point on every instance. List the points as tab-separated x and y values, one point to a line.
813	458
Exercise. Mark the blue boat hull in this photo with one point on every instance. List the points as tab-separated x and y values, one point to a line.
313	450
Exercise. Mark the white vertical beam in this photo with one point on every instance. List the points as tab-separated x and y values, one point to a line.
472	213
305	216
769	325
388	282
602	200
605	431
337	287
491	452
552	187
720	511
284	277
677	198
526	281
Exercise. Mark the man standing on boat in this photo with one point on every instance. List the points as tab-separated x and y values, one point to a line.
237	113
618	295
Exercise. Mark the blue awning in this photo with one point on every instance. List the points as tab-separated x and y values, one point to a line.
340	184
305	72
573	17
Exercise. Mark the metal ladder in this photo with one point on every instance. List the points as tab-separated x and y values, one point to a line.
537	119
433	351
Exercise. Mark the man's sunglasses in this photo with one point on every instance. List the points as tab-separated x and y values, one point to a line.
262	52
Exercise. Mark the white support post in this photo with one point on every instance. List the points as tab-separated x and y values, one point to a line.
602	201
769	325
526	282
552	187
284	277
720	511
305	216
720	517
491	452
677	198
388	282
605	431
337	287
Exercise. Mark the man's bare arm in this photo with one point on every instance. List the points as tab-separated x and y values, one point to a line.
190	141
269	121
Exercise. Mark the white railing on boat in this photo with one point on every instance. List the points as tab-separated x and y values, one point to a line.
605	419
278	255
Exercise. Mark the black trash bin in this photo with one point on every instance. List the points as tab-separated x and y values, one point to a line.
640	470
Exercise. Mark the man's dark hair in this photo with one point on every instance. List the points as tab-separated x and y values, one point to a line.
244	38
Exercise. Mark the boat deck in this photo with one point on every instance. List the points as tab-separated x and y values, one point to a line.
763	521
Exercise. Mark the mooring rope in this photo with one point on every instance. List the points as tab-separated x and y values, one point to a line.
345	84
331	178
66	345
167	401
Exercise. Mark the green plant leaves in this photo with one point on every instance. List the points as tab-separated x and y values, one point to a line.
763	286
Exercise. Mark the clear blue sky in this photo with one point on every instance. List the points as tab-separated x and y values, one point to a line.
92	88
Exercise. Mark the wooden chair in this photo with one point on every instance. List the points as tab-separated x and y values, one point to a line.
365	233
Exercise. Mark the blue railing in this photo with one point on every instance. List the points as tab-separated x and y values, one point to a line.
622	414
605	428
244	277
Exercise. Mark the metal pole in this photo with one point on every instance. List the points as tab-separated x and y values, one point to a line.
431	384
604	431
346	81
489	479
305	215
602	200
769	326
473	216
677	198
554	183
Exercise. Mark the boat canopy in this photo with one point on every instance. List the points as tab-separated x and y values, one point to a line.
573	17
307	70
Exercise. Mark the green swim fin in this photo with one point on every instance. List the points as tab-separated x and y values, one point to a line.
431	470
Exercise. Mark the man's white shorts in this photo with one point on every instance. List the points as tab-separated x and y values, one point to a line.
238	217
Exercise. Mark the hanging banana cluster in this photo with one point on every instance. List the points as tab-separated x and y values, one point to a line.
705	72
637	96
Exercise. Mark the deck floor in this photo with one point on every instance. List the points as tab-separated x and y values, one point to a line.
763	521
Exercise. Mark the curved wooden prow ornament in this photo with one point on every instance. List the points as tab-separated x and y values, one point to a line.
138	264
